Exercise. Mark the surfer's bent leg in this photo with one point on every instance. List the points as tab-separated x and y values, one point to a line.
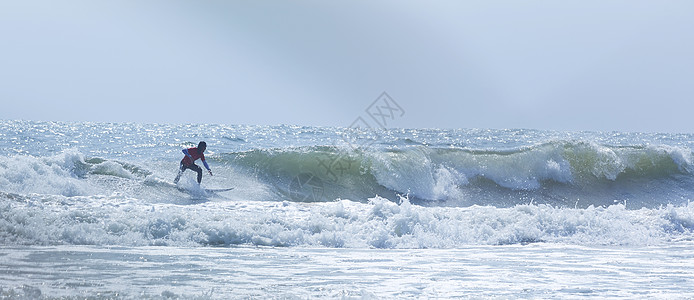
197	168
180	171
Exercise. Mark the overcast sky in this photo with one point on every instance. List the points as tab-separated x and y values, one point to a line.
625	65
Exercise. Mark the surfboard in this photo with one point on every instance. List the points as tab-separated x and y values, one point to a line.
218	190
203	192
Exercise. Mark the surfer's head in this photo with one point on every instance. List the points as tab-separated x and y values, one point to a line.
202	146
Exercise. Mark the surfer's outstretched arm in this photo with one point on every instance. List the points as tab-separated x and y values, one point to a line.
207	167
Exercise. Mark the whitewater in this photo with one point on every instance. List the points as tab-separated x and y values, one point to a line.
89	210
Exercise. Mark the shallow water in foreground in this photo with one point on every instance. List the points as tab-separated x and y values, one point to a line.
512	271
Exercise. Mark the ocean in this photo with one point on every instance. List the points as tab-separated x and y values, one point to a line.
90	211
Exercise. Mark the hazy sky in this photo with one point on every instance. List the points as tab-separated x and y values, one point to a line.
602	65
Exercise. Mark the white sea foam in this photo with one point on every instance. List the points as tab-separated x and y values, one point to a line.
380	223
57	174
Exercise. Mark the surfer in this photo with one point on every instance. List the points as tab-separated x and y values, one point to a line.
188	161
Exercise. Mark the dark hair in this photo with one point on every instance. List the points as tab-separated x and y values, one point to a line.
202	146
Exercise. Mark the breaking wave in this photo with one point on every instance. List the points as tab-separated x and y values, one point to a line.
557	173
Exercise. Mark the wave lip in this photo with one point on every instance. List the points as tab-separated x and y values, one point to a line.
635	161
